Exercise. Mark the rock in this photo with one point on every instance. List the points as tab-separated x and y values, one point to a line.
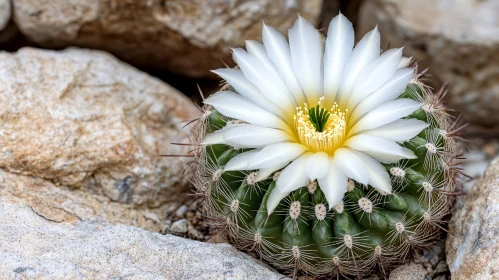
179	226
5	13
8	29
473	243
410	271
32	247
458	41
84	120
63	204
181	211
475	163
442	267
431	259
188	37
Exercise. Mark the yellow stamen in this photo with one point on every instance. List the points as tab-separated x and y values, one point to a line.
330	139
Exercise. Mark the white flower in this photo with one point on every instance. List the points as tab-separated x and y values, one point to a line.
318	110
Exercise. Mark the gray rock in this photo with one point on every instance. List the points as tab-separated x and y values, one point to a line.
32	247
473	243
458	40
410	271
188	37
179	226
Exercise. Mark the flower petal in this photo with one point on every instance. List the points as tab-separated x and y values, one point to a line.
257	50
384	114
333	185
213	138
317	165
235	106
399	130
274	198
269	83
293	176
378	176
404	62
278	51
275	155
378	72
385	151
240	162
306	54
351	165
264	173
366	51
339	44
244	87
388	92
252	136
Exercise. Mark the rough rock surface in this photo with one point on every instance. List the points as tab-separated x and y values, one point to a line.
32	247
473	246
410	271
84	120
188	37
62	204
458	40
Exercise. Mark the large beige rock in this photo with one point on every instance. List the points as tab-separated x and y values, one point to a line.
458	39
32	247
473	245
63	204
188	37
84	120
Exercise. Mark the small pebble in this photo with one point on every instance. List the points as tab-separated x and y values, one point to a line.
179	226
441	267
171	207
166	227
151	216
193	232
181	211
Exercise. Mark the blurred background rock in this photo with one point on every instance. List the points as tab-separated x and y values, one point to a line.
178	42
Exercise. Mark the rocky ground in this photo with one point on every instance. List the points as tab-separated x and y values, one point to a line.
84	193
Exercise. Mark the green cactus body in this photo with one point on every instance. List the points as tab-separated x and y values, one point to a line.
369	229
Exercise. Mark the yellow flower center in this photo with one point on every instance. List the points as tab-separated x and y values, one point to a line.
319	129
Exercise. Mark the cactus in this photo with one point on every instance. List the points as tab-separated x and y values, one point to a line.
322	201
